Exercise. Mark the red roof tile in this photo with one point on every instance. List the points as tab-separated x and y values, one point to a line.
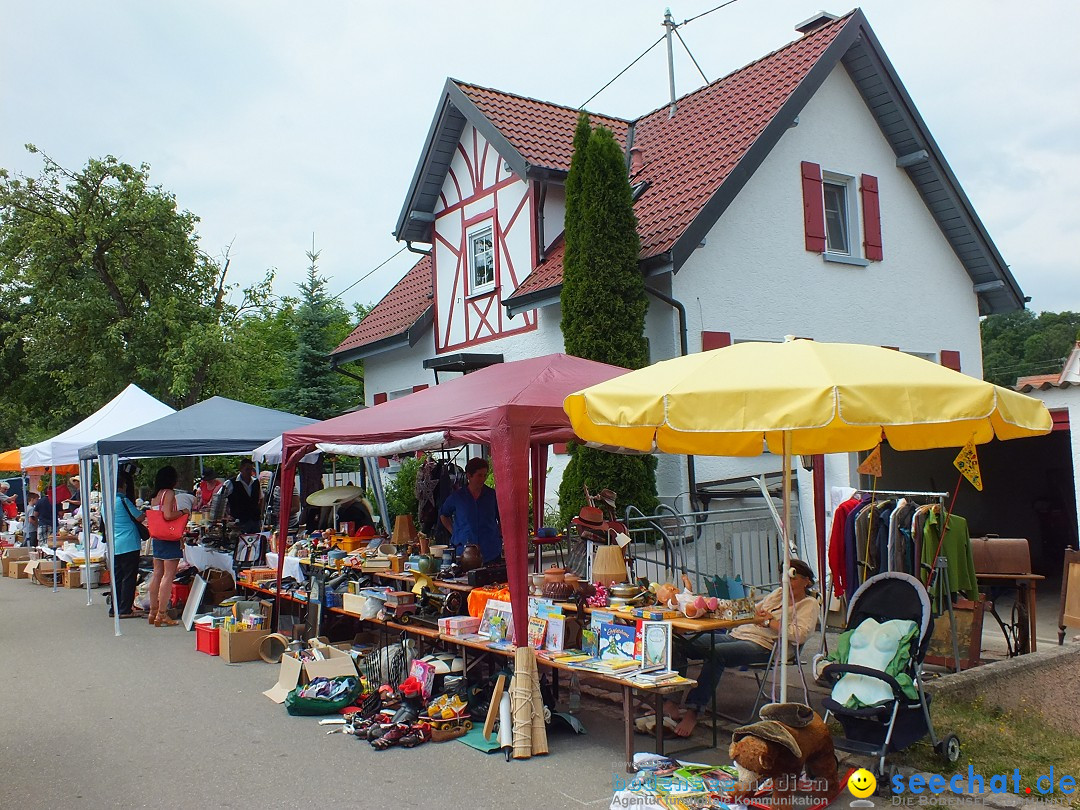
688	157
685	161
398	310
541	131
547	274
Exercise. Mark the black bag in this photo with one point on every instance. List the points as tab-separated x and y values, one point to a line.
144	533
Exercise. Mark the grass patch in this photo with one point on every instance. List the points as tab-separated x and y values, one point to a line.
997	742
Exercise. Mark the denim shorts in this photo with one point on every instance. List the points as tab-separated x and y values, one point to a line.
167	549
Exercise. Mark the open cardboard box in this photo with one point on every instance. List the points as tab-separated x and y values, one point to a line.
10	556
16	569
294	672
241	645
42	571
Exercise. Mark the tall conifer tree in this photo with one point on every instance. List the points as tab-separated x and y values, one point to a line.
603	304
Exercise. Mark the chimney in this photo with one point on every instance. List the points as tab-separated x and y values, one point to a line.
637	159
815	22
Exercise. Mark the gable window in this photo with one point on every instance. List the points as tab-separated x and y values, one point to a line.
842	220
837	232
482	260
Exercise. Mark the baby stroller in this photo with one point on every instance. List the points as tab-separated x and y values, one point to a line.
899	720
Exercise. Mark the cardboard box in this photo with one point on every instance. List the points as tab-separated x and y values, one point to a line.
41	571
72	578
242	645
10	556
16	569
459	625
293	671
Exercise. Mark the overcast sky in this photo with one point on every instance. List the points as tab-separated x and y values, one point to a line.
273	121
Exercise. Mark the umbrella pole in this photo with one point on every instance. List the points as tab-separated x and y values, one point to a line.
785	580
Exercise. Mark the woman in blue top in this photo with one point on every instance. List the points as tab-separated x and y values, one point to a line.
471	514
127	545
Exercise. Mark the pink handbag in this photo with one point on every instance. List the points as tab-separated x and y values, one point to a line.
162	529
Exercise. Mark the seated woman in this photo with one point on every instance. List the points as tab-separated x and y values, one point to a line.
746	644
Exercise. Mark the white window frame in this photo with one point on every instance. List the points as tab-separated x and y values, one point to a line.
850	219
485	229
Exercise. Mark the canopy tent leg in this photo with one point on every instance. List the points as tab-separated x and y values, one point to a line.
785	581
509	447
86	471
55	533
107	470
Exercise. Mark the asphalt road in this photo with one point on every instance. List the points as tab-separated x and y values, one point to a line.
91	720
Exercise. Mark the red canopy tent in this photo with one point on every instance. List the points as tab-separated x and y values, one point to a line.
516	408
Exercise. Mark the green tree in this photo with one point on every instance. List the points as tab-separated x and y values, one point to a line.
603	305
315	389
1019	344
104	283
400	491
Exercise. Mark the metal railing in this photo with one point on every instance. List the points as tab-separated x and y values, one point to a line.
737	541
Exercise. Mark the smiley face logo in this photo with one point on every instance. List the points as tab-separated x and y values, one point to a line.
862	783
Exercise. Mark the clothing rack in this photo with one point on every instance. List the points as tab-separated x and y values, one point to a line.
941	570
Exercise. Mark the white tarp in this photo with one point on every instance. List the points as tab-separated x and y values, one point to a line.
435	440
131	408
270	453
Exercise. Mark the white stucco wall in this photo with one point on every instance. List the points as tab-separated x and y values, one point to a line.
473	177
755	279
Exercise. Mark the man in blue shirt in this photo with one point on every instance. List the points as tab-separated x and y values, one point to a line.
471	514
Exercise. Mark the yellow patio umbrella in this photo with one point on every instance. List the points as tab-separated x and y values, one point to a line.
799	397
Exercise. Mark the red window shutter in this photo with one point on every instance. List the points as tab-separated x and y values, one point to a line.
416	388
379	399
871	219
813	207
715	340
1060	419
950	359
559	448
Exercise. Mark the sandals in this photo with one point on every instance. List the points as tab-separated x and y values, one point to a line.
151	616
163	620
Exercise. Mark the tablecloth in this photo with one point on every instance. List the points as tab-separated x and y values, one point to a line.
202	558
291	569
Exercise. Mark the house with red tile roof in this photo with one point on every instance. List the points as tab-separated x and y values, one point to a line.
802	194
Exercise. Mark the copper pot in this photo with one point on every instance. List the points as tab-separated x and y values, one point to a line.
471	557
554	574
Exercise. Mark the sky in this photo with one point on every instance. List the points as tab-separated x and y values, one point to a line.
285	124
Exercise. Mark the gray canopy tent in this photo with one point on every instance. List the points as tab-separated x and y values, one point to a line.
216	426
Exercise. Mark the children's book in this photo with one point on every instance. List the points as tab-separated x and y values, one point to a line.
555	637
588	642
615	641
655	647
537	631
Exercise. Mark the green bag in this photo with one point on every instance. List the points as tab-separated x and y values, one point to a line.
346	689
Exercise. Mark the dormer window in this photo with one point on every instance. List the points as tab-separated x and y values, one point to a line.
482	260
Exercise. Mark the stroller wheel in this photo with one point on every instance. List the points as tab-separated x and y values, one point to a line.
949	749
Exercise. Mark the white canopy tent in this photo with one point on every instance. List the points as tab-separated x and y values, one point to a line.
131	408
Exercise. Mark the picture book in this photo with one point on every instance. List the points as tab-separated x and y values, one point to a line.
492	609
537	631
588	642
539	606
547	609
655	646
600	617
615	641
555	636
425	673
